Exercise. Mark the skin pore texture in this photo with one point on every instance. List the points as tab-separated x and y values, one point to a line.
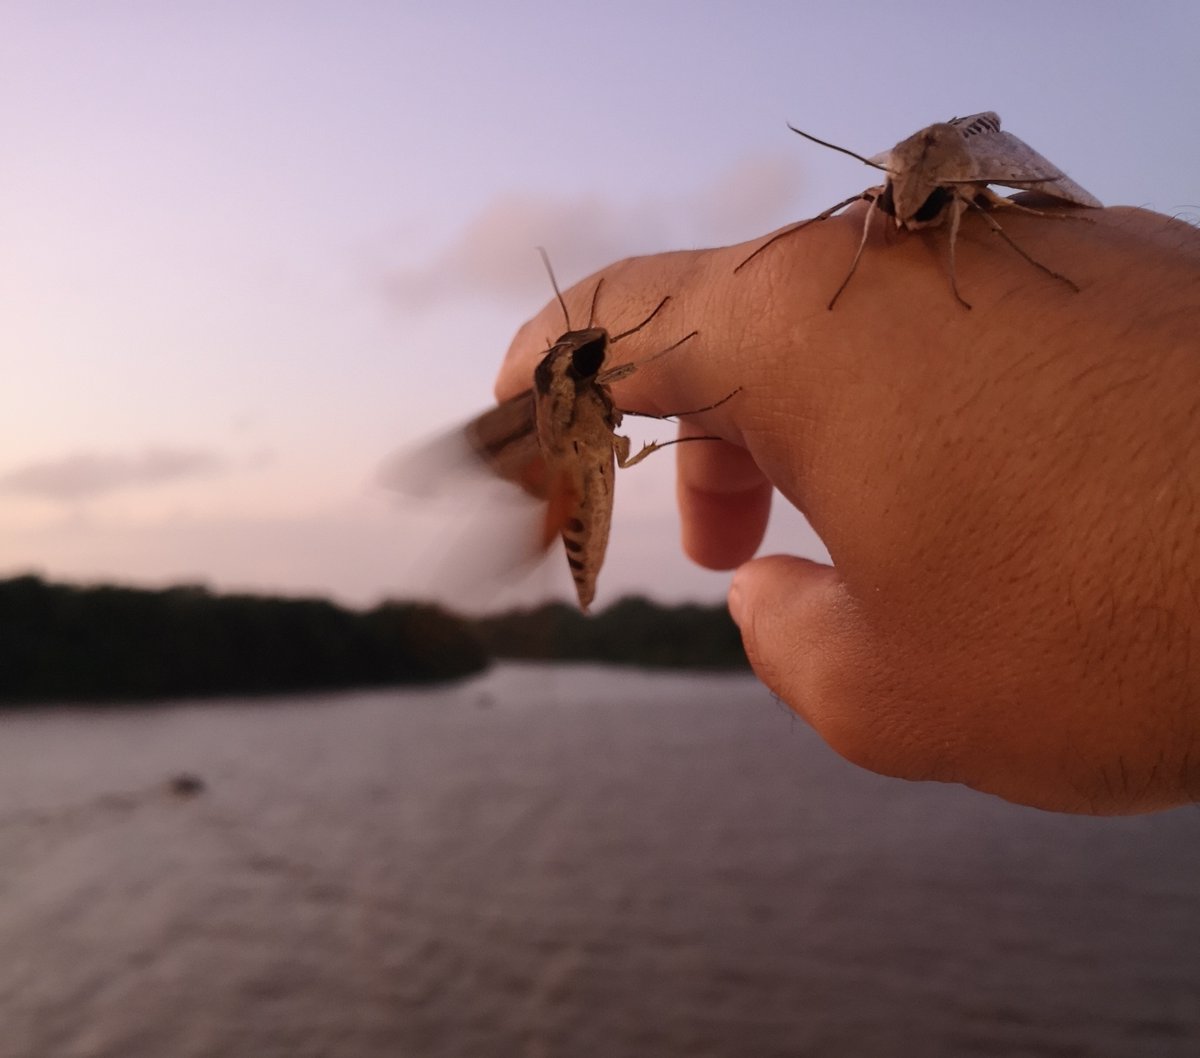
1010	495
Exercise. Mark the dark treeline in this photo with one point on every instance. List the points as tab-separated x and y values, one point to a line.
65	642
73	643
633	631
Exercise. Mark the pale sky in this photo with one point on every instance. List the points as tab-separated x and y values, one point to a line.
248	249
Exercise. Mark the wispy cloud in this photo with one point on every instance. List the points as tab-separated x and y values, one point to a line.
494	255
86	475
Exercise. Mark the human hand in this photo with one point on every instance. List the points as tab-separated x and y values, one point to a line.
1009	494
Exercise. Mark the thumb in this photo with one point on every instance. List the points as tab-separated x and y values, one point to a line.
791	612
809	643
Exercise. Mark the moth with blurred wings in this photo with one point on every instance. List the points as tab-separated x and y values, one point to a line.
558	442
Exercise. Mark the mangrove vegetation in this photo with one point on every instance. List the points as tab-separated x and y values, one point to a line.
71	643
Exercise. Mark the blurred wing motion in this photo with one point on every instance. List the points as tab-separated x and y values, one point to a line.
475	530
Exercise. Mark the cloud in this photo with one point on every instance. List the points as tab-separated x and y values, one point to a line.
86	475
494	254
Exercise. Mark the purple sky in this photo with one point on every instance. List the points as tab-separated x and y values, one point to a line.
247	250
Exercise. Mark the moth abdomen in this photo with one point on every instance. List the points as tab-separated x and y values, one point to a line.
584	532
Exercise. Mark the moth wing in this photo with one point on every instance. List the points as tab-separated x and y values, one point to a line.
505	439
1002	158
974	125
986	121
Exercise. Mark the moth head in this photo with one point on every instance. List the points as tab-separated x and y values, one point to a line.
919	170
588	349
575	359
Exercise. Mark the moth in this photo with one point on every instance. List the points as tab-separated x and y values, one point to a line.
558	440
941	172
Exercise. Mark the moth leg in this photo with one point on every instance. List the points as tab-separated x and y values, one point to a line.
861	245
995	201
615	374
869	195
677	414
625	460
956	212
995	226
633	330
621	449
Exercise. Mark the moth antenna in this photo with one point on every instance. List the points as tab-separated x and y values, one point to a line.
835	147
595	296
554	283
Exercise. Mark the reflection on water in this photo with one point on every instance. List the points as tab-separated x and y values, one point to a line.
572	862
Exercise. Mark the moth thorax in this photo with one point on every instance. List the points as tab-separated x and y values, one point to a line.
556	393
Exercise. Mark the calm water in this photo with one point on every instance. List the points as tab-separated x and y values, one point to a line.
572	862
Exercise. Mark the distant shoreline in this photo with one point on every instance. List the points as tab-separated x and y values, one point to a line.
98	644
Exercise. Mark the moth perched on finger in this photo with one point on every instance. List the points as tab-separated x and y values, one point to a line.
939	173
558	442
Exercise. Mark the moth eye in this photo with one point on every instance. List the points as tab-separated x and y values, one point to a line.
885	201
587	358
543	376
933	205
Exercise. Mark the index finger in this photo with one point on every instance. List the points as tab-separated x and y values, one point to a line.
619	298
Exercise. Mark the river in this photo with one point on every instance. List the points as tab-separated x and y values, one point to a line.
567	861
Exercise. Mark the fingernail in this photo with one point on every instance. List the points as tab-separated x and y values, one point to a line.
735	601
